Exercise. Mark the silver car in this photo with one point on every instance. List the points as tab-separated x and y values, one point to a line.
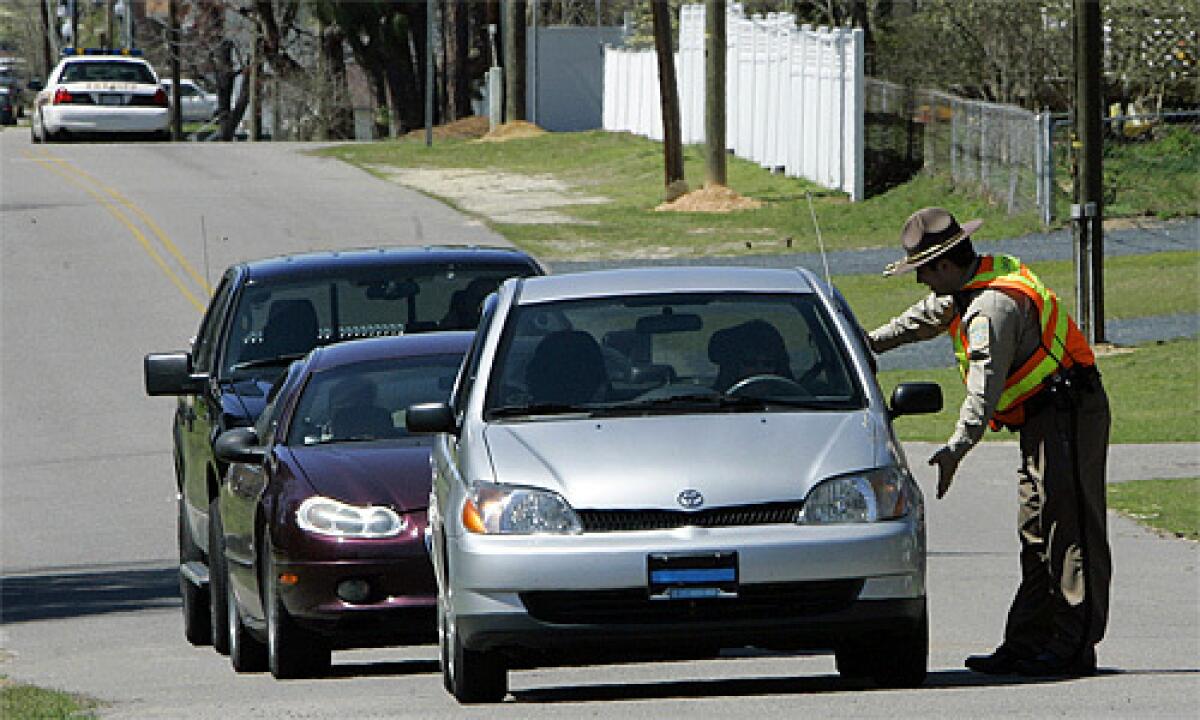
663	463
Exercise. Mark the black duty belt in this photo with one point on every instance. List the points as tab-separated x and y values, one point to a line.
1062	387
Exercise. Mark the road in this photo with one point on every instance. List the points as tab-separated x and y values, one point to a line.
105	253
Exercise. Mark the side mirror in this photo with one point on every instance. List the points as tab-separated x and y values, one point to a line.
239	445
171	374
427	418
916	398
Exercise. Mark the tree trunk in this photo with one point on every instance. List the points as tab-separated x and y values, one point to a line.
341	124
514	60
458	84
668	92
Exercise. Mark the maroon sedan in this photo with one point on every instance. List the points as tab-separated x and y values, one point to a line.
318	541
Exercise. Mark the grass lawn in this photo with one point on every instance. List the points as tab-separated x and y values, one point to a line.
1153	177
26	702
628	170
1143	384
1172	506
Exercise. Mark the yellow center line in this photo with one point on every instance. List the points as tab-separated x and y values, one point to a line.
51	164
154	228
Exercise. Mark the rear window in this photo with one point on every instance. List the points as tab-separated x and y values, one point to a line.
107	71
275	323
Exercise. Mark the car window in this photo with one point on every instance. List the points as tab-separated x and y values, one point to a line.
277	397
210	328
467	374
627	351
368	400
277	322
107	71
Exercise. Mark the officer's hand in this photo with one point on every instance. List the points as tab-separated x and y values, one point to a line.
947	463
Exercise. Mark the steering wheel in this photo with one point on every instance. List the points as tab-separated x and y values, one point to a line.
766	384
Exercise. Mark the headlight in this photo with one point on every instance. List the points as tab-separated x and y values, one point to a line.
326	516
507	510
880	494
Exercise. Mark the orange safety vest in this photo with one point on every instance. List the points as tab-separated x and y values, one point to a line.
1062	344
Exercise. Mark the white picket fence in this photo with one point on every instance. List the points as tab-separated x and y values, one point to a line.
794	96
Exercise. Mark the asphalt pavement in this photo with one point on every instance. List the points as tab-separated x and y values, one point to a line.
89	598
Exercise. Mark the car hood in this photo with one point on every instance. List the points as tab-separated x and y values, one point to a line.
644	462
383	472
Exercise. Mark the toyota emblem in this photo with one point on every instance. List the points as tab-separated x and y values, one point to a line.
690	499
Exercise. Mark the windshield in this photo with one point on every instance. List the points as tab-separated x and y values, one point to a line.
107	71
367	401
276	323
671	353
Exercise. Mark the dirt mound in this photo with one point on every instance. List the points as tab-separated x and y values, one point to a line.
711	198
468	128
512	131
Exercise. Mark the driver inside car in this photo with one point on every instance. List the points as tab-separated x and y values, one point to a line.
750	349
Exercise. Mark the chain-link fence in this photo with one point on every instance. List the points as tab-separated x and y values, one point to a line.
997	148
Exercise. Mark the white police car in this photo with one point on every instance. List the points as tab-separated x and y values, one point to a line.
100	93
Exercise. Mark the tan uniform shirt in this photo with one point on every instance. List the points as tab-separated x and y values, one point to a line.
1002	331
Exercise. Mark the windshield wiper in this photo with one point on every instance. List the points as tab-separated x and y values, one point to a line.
716	401
269	361
537	409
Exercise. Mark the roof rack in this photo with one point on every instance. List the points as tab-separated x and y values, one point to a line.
128	52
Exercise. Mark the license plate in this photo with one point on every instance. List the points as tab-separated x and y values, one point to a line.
112	99
692	576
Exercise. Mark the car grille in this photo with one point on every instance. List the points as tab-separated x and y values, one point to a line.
741	515
634	606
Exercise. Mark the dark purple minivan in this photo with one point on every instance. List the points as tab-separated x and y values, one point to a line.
318	542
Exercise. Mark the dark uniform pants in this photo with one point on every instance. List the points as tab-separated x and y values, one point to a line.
1066	567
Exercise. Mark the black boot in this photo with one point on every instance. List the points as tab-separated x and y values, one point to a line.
1050	664
1001	662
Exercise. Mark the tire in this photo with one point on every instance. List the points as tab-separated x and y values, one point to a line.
218	579
444	654
197	625
472	676
247	654
905	657
292	651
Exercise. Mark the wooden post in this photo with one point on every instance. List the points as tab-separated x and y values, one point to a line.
714	91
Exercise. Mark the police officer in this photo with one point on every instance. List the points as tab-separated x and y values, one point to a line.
1027	368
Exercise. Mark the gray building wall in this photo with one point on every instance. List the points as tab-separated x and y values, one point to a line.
565	82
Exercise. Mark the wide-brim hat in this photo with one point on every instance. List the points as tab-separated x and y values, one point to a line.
928	234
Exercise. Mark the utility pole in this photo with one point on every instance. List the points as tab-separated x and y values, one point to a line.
714	92
173	39
46	52
514	60
110	25
668	93
1087	213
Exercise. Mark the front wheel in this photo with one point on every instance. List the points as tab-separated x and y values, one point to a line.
471	676
292	651
197	626
899	660
246	653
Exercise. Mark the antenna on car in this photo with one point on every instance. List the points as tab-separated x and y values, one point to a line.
204	243
820	241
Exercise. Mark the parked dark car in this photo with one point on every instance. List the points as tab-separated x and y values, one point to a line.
267	313
318	542
8	107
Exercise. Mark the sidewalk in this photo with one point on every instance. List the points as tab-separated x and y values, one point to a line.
1133	461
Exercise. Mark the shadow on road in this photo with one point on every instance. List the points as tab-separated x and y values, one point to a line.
381	669
751	687
61	595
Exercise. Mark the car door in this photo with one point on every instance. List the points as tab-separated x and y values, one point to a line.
446	456
242	489
198	416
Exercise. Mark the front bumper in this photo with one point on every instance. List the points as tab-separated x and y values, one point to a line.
399	608
799	586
